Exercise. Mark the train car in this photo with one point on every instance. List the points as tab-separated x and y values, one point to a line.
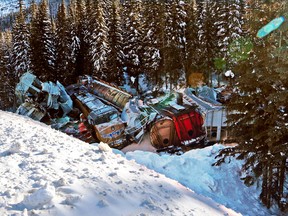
187	123
163	134
110	93
215	116
104	119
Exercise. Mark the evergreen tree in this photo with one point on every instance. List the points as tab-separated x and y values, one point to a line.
191	45
236	18
258	109
33	8
99	45
173	42
82	53
132	46
115	41
90	20
221	60
20	44
207	32
62	50
153	21
229	25
73	43
42	44
235	25
8	77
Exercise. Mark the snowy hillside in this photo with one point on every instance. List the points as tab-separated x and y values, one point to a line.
10	6
46	172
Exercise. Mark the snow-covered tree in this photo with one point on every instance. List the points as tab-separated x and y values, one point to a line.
42	44
62	49
133	34
114	68
82	62
153	36
258	112
73	42
237	18
99	46
191	43
20	43
8	76
207	36
173	41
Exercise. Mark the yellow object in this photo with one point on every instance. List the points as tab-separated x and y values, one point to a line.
196	79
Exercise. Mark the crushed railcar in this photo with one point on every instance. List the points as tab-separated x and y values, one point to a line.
138	117
41	99
187	129
104	119
111	93
215	115
163	134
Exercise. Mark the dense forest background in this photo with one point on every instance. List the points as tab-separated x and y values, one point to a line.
165	40
172	43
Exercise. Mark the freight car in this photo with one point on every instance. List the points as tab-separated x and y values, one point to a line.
104	119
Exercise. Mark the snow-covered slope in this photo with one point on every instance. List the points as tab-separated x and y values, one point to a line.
10	6
46	172
221	183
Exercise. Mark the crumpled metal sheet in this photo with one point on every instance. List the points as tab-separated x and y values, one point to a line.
53	93
28	84
30	110
65	100
47	95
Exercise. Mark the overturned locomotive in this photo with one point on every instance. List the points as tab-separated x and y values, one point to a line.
104	120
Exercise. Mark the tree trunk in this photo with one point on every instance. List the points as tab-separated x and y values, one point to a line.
270	184
263	195
281	181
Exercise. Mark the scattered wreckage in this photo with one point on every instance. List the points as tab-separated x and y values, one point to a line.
39	99
93	111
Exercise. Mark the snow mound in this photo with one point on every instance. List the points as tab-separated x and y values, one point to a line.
40	197
104	147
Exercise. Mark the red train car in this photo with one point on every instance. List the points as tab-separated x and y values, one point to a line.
188	122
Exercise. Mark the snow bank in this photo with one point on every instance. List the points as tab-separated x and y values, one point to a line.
194	170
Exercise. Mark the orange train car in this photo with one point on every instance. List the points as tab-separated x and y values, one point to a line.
163	134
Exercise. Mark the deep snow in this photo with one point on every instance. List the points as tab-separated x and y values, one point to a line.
46	172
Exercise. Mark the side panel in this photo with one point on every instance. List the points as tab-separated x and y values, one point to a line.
110	131
189	126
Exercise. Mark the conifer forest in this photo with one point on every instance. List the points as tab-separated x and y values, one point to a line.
169	42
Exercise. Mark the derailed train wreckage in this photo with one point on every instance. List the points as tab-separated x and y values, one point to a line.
93	110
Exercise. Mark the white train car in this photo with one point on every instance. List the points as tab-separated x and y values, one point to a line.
215	116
